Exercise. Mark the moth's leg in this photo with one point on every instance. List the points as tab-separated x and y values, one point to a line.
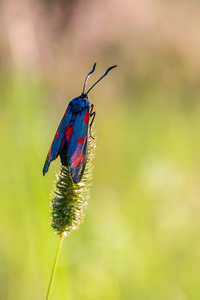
92	114
91	108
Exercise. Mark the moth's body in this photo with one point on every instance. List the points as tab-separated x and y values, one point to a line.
79	103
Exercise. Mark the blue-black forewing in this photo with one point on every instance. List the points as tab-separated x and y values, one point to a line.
56	144
77	151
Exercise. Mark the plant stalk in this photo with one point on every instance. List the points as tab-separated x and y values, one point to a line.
55	265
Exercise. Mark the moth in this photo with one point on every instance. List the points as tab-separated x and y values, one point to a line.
71	138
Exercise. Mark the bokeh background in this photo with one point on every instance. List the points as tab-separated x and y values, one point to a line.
141	234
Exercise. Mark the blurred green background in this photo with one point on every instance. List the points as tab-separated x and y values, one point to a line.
141	234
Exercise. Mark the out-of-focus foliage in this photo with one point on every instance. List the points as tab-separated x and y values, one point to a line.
140	238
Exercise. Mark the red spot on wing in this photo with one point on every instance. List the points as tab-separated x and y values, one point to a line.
67	136
80	140
76	162
82	157
86	138
86	117
57	135
68	133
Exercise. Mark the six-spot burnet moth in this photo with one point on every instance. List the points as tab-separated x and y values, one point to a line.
71	138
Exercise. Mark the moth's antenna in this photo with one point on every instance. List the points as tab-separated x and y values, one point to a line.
88	75
101	77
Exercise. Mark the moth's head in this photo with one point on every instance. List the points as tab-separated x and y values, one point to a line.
84	96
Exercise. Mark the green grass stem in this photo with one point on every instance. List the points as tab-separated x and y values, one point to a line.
55	265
